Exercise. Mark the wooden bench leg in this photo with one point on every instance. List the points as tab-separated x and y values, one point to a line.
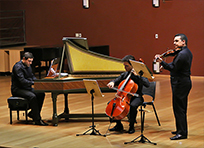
10	116
17	114
26	116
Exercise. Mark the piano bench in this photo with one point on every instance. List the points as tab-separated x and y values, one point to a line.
18	104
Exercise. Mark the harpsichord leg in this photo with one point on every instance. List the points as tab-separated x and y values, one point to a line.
54	117
66	108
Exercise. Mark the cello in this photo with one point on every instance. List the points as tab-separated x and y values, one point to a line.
119	107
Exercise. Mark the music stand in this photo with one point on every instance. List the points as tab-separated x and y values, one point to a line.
93	90
142	70
141	67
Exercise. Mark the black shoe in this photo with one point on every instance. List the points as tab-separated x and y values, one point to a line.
117	128
174	132
131	130
40	122
178	137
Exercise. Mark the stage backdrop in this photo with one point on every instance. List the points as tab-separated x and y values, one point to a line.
128	27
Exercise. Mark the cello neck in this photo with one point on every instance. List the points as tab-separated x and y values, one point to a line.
126	81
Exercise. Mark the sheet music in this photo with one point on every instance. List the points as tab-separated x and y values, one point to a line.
54	67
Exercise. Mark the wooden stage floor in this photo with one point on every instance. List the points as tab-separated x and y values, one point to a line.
21	135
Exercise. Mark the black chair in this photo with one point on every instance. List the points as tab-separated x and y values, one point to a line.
150	91
18	104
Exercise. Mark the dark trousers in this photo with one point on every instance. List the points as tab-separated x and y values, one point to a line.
35	101
180	90
134	103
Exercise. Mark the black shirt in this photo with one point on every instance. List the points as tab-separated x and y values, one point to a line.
22	77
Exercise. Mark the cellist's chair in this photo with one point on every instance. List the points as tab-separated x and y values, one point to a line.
150	91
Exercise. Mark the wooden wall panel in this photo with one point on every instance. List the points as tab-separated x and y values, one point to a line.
4	60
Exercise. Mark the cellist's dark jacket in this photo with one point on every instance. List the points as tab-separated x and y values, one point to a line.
140	81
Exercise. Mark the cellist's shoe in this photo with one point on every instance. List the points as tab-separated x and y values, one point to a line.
117	128
131	130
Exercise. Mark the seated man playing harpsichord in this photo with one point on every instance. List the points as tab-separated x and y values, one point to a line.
22	81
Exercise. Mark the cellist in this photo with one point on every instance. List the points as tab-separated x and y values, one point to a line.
135	101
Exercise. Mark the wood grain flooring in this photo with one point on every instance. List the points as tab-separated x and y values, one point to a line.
21	135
